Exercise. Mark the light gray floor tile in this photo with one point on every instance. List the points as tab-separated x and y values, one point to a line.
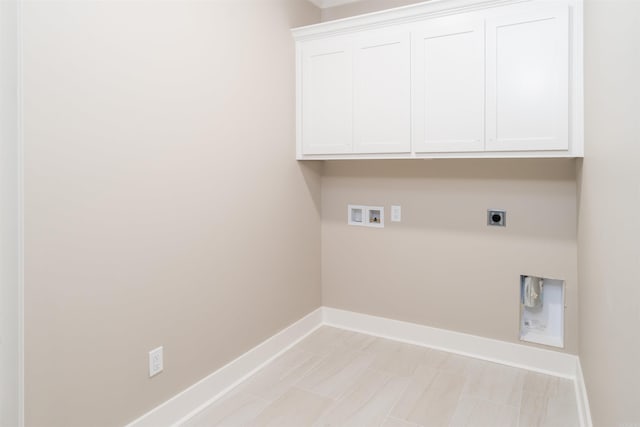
474	412
433	404
548	402
295	408
533	409
540	383
341	378
397	358
463	365
235	410
368	403
327	340
395	422
562	407
418	386
276	378
496	383
336	373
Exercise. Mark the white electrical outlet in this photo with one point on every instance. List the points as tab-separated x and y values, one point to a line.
155	361
396	213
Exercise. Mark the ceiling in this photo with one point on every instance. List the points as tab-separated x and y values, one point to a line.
330	3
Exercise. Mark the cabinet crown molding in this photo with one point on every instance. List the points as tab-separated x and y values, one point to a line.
399	15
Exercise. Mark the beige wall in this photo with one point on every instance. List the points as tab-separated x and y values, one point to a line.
609	224
9	213
442	266
164	205
363	6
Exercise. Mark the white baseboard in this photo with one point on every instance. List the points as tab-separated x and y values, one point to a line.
517	355
189	402
194	399
581	397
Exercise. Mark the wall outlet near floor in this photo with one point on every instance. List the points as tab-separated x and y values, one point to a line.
155	361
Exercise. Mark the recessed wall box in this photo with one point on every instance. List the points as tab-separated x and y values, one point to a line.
365	216
375	216
356	215
542	310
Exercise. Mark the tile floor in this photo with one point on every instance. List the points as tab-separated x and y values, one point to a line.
341	378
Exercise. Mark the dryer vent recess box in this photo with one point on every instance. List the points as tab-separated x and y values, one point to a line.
542	310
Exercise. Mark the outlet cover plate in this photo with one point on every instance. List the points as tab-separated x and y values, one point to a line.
497	217
155	361
396	213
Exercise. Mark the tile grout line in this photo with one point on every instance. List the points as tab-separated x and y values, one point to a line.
462	392
400	395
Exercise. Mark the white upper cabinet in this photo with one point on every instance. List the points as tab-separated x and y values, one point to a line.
327	96
429	81
382	92
528	78
448	85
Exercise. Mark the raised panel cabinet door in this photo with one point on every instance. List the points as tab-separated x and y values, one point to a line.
327	96
382	92
528	78
448	82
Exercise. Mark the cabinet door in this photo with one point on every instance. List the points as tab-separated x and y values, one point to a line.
528	78
327	96
448	81
382	92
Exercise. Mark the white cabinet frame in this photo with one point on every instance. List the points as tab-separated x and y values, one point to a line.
547	126
327	96
557	134
448	108
382	91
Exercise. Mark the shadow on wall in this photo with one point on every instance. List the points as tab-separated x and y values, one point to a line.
453	195
312	172
493	169
360	7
